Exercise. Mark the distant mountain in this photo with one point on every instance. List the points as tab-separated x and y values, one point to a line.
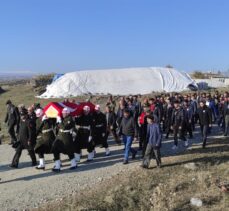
15	76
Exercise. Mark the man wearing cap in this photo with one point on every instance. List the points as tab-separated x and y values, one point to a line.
205	119
12	119
99	124
45	137
25	140
84	137
64	140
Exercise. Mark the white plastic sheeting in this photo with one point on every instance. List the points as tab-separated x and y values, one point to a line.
119	82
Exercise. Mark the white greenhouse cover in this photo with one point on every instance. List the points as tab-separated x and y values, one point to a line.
119	82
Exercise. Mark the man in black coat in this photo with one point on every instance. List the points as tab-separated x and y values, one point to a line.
84	137
100	127
178	124
205	119
12	119
168	118
25	140
111	124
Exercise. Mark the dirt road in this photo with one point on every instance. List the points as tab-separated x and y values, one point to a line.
26	187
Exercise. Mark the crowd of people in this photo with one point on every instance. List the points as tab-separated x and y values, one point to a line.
128	119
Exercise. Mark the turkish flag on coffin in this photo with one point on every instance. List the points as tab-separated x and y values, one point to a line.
54	109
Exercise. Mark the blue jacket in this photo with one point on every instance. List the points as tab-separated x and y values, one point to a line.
154	135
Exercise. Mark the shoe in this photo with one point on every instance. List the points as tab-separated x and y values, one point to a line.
34	163
77	157
13	166
144	166
134	155
90	156
159	166
73	164
73	168
125	162
225	134
174	147
40	167
108	153
56	170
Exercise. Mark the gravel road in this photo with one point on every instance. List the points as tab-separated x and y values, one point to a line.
26	187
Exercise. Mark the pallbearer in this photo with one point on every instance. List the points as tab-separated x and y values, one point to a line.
84	126
45	137
64	141
100	127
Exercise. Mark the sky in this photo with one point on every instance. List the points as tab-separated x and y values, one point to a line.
45	36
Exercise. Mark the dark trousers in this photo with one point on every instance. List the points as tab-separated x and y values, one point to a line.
142	139
204	132
17	155
11	131
61	147
167	130
82	142
152	152
180	132
98	138
226	125
114	134
193	122
189	128
41	155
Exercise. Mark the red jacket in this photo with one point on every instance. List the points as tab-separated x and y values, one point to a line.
142	118
152	107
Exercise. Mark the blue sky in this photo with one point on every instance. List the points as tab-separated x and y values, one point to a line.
69	35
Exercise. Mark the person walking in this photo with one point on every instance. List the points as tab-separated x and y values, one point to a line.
12	120
226	115
154	137
128	131
205	119
25	140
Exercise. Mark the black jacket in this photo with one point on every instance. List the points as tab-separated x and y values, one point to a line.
99	122
178	117
25	134
205	116
12	116
128	127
